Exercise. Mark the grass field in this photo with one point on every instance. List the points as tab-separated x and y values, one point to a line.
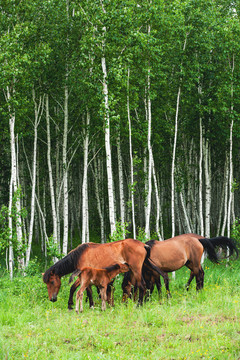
188	326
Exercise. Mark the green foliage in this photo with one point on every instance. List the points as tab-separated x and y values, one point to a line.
53	249
118	234
6	237
141	235
33	267
235	233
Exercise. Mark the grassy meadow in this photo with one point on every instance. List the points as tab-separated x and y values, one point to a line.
188	326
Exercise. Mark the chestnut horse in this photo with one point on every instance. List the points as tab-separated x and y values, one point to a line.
130	251
186	250
99	277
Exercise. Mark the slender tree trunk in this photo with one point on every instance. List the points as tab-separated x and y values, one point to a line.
14	176
200	172
207	167
150	161
107	140
131	160
38	109
85	182
121	184
50	173
10	225
230	157
65	174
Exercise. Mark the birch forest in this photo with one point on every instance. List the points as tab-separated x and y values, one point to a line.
117	119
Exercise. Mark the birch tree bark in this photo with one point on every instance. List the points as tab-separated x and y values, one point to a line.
50	174
65	173
207	168
14	177
131	159
230	155
85	231
121	184
38	110
200	171
10	225
111	209
150	162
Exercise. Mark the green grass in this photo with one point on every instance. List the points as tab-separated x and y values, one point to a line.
188	326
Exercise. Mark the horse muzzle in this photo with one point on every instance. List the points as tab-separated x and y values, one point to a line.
54	298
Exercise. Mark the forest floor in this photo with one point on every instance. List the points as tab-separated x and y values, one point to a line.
187	326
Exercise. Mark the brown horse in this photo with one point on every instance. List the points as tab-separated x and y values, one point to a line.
130	251
186	250
99	277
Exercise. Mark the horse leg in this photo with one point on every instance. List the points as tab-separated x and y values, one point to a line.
189	281
79	297
140	283
127	286
201	271
110	293
72	291
90	297
159	286
166	283
103	291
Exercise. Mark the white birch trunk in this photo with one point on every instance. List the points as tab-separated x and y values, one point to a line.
10	225
226	183
14	175
65	174
158	207
173	164
131	160
50	174
150	162
200	174
38	108
230	159
187	221
121	184
85	230
107	142
207	168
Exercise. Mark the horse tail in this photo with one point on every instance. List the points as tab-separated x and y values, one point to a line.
223	242
148	261
75	273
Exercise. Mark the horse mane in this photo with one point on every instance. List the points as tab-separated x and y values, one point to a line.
67	264
151	243
112	267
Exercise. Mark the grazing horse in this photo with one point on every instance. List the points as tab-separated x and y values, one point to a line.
130	251
187	249
99	277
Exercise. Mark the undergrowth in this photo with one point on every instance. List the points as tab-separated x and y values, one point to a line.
189	325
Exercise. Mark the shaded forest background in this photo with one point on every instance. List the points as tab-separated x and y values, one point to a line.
118	118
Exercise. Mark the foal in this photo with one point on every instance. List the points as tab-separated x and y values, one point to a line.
99	277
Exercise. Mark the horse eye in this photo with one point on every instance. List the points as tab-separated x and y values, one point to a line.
52	282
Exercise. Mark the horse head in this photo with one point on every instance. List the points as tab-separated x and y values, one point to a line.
53	283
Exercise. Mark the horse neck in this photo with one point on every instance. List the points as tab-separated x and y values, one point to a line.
64	266
113	273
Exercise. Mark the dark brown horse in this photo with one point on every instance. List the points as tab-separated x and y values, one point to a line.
89	276
130	251
186	250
